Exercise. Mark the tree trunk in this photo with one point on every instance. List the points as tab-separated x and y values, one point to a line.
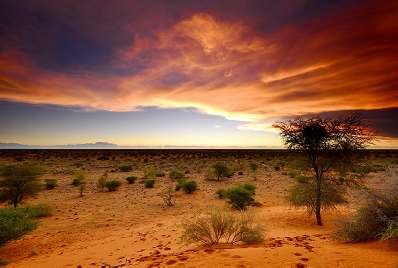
318	200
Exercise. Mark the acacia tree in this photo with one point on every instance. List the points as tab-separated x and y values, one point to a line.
18	182
329	144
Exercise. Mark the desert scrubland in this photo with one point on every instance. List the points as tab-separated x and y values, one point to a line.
132	225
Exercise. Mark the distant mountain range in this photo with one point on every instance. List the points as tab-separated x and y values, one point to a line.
107	145
96	145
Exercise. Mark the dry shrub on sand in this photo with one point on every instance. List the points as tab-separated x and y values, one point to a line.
376	219
219	225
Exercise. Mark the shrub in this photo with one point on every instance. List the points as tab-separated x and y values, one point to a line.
112	185
82	187
19	181
50	183
218	225
189	186
168	197
239	197
101	183
159	173
302	179
377	218
79	178
253	167
37	211
149	183
150	174
15	222
176	175
221	193
131	179
303	194
125	167
179	184
220	171
249	187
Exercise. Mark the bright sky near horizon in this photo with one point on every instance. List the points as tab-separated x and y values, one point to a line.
192	73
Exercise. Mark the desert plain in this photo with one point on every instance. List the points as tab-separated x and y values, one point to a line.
131	227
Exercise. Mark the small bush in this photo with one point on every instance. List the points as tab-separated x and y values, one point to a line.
220	171
15	222
249	187
149	183
218	225
302	179
176	175
377	218
150	174
221	193
303	194
50	183
79	178
168	197
179	184
125	167
112	185
240	197
189	186
131	179
159	173
37	211
101	183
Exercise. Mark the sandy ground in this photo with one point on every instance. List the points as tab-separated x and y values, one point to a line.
131	227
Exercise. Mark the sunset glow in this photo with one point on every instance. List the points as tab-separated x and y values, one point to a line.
241	66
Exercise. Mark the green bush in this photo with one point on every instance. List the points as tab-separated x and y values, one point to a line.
37	211
176	175
302	179
125	167
131	179
79	178
303	194
189	186
220	171
50	183
149	183
250	187
112	185
179	184
18	182
240	196
15	222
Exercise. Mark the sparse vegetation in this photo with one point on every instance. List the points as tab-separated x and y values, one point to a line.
125	167
176	175
218	225
240	196
15	222
18	182
78	179
50	183
112	185
376	219
220	171
168	197
131	179
101	183
149	183
189	186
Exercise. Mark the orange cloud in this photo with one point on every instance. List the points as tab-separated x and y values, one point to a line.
346	61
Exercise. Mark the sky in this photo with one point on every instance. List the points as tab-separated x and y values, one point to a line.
193	73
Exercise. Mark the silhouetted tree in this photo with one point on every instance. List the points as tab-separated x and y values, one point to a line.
328	144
